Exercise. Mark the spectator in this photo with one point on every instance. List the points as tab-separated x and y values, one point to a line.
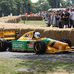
71	21
49	19
61	15
57	18
11	14
62	18
26	14
54	18
31	14
2	14
66	18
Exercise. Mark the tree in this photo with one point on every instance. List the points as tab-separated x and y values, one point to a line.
41	5
56	3
7	7
70	2
17	7
45	6
52	3
64	4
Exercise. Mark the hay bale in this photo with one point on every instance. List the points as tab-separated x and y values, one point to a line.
10	19
54	33
32	18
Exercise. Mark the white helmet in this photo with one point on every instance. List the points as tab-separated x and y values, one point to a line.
37	35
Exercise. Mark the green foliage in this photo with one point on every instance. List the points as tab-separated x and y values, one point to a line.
45	6
7	6
52	3
21	6
56	3
38	23
41	5
70	4
14	6
17	7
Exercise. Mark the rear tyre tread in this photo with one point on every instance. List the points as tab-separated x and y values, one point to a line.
3	44
66	41
39	47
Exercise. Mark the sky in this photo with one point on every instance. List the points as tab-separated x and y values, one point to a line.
64	0
34	1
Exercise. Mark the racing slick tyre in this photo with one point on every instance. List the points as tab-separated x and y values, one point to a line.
66	41
39	47
3	44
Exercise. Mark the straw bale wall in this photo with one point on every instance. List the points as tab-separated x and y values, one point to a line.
32	18
16	19
10	19
54	33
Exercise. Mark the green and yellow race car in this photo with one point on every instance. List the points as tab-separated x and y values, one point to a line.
31	41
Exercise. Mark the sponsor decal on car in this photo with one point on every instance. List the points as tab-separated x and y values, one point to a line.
31	44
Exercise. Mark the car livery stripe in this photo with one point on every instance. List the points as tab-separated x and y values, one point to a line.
22	49
53	44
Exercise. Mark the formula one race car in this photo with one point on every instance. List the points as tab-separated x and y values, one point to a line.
31	41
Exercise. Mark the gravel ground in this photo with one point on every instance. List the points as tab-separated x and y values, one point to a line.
61	57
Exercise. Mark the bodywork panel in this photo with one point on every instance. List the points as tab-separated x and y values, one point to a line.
22	45
8	35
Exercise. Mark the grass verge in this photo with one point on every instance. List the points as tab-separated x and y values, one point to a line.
39	23
8	66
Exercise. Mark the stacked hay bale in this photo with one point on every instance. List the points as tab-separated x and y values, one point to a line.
54	33
10	19
32	18
57	34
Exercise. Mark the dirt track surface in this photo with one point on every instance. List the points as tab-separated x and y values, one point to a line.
61	57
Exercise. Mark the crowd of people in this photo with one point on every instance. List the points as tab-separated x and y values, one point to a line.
61	18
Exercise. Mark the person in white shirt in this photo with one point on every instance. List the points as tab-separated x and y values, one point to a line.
71	17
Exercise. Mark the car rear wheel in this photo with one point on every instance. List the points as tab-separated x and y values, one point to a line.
39	47
66	41
3	44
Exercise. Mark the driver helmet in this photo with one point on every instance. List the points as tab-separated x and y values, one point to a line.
37	35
